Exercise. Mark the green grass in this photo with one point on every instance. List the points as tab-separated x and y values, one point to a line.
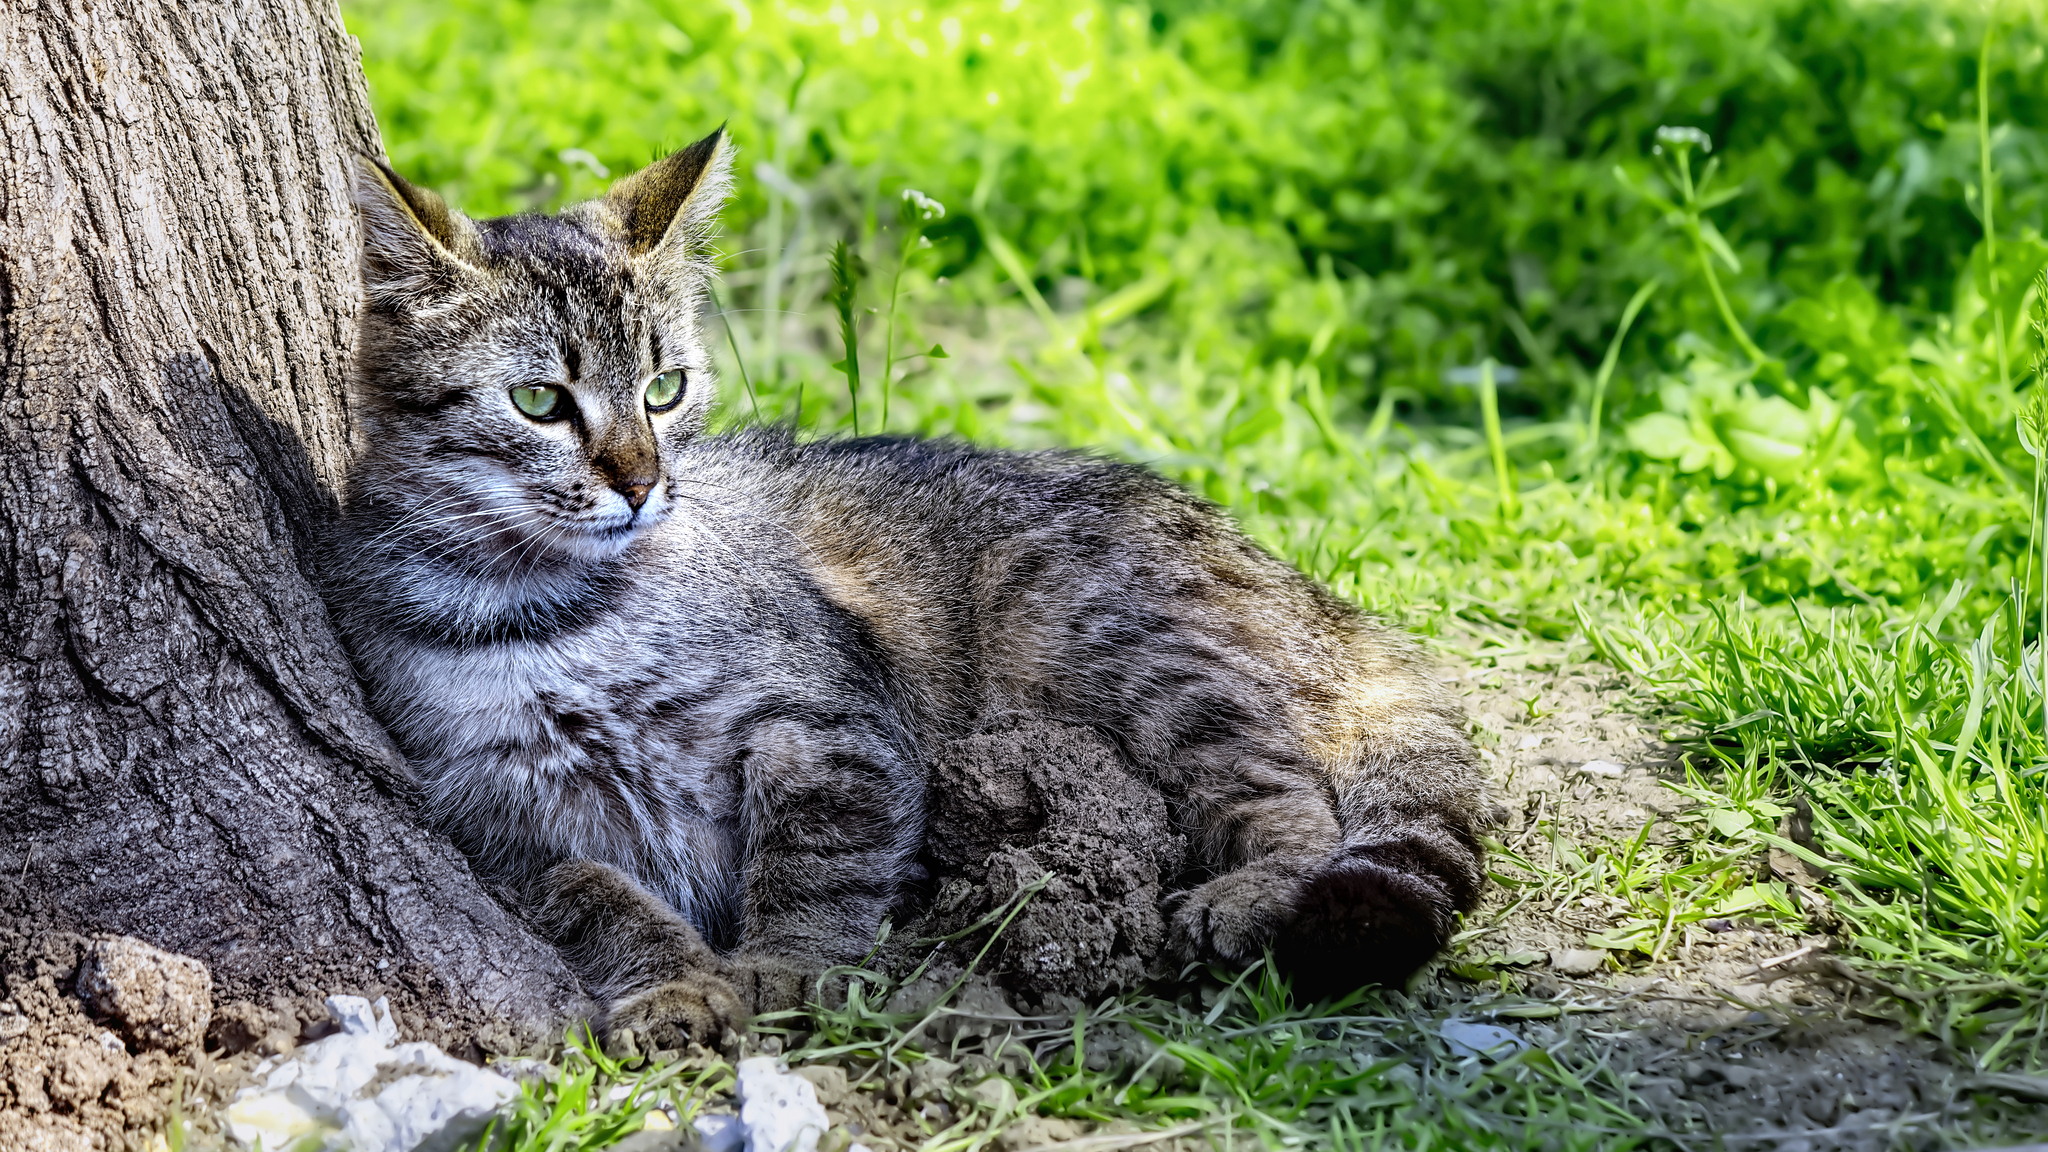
1685	328
1232	1056
593	1100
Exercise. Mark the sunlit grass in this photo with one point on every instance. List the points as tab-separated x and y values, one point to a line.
590	1099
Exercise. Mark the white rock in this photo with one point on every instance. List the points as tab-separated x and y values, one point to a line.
431	1103
779	1109
1606	769
1578	961
721	1131
1468	1038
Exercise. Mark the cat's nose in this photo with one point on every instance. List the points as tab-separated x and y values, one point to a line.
635	492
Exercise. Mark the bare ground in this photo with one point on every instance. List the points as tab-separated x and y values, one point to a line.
1738	1034
1750	1031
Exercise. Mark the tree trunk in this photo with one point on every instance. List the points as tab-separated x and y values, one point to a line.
184	751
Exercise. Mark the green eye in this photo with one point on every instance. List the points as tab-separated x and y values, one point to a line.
665	390
539	401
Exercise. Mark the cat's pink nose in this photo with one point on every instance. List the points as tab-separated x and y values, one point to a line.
635	494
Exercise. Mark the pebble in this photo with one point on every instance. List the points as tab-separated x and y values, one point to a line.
161	999
1578	961
721	1131
1468	1038
1605	769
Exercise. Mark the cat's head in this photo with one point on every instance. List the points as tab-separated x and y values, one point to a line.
527	382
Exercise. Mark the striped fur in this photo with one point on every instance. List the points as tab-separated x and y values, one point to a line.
690	730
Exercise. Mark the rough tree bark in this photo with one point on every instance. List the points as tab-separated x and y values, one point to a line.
184	752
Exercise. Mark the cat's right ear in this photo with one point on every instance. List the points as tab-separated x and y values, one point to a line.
414	245
666	211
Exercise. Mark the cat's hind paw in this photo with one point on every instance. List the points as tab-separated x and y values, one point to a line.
700	1006
1364	919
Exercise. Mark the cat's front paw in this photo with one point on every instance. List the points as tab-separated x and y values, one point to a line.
1234	916
700	1006
770	983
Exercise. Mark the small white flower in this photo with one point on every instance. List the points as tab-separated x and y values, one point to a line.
927	208
1681	134
583	159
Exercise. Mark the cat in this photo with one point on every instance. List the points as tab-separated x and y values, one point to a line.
673	687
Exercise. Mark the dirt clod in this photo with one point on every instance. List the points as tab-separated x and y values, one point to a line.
71	1083
159	999
240	1026
1021	803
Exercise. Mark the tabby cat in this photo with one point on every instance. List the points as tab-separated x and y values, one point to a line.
673	686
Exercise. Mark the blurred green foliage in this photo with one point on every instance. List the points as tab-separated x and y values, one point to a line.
1386	193
1435	180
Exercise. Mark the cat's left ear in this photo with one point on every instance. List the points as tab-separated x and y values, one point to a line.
669	207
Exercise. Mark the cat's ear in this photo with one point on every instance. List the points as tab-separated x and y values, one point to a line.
669	207
413	242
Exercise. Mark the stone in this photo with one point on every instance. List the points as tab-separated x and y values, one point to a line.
1578	961
661	1140
1037	1131
160	999
829	1080
720	1131
995	1094
779	1110
929	1079
1469	1038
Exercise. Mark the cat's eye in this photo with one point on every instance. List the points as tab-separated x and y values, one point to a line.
540	401
665	390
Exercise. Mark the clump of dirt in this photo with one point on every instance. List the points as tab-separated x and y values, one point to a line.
103	1040
68	1082
1028	803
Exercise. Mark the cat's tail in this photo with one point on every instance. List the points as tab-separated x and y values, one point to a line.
1378	910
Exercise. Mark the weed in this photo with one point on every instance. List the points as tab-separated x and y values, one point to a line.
592	1100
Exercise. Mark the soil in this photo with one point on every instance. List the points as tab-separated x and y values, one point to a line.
71	1082
1751	1032
1023	804
1044	827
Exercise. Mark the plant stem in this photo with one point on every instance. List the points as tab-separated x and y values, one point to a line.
737	359
1984	192
1749	348
889	342
1489	408
1607	362
1706	258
